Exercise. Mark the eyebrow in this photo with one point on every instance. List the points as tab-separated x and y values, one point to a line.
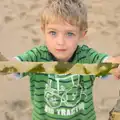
65	30
52	29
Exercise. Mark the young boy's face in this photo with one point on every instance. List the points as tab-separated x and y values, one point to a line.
62	39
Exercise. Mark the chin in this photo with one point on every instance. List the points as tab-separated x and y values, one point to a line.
60	58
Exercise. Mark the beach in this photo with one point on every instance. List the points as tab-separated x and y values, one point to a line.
20	31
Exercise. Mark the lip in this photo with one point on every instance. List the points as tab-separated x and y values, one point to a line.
61	50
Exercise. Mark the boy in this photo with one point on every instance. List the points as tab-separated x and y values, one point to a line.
63	97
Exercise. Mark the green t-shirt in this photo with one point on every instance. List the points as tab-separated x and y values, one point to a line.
62	97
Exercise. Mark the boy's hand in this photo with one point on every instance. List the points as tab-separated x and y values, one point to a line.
116	73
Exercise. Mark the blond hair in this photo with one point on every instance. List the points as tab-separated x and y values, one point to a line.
72	11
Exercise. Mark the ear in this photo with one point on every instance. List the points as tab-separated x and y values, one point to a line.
84	33
42	28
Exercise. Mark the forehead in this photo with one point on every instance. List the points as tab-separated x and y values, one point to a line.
61	24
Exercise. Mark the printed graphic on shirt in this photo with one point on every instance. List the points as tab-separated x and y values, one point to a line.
63	94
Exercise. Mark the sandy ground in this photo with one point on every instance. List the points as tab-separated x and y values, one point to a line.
20	31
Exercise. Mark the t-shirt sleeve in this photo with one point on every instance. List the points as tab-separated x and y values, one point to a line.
96	57
29	56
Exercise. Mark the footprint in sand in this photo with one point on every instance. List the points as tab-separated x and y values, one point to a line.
8	116
113	23
35	6
36	41
16	110
28	26
19	104
106	33
8	19
22	14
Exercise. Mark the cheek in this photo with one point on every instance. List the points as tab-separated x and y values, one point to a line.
72	44
48	40
50	43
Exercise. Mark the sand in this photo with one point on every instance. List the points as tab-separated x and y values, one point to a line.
20	31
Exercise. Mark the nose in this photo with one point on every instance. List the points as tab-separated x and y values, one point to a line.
60	40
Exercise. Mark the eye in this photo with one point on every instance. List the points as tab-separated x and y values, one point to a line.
52	33
70	34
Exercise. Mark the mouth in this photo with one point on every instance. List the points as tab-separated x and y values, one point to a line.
61	50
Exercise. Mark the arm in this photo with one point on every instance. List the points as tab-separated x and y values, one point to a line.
113	59
30	56
95	57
